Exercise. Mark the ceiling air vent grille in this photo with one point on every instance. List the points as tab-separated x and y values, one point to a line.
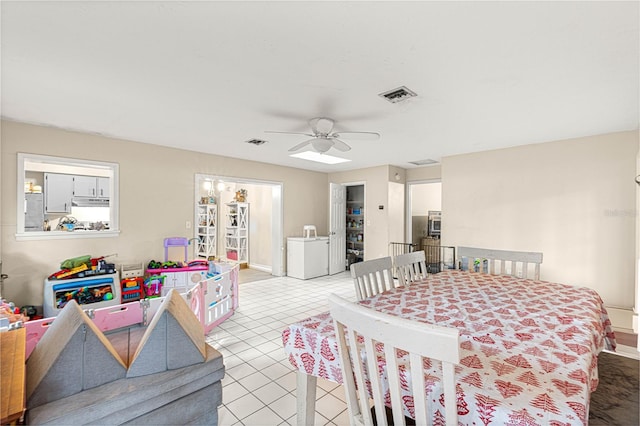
256	141
423	162
398	95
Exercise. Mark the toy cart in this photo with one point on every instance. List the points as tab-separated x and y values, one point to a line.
132	289
153	285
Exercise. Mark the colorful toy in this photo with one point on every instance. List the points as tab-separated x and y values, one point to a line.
82	266
74	262
84	295
153	285
11	312
132	289
72	271
154	265
175	242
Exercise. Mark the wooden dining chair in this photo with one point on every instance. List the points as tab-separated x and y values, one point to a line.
410	267
352	322
502	262
372	277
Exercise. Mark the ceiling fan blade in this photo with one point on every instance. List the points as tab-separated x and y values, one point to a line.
301	145
357	135
321	125
289	133
340	145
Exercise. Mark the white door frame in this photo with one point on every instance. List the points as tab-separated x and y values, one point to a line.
331	207
337	231
277	216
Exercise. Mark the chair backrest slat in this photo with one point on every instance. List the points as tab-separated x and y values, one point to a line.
372	277
394	333
410	267
504	257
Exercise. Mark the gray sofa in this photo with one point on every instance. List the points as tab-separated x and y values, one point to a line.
161	374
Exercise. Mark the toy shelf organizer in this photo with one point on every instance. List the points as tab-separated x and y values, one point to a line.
212	301
56	292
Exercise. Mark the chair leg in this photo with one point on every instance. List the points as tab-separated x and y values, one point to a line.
305	398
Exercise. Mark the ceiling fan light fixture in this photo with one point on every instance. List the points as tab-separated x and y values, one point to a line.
321	125
322	144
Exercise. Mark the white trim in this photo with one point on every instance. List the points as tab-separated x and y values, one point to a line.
64	235
625	351
263	268
111	170
621	318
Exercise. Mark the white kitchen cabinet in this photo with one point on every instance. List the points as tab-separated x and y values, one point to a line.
307	257
91	186
177	280
58	191
102	188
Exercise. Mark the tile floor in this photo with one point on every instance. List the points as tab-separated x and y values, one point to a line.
259	387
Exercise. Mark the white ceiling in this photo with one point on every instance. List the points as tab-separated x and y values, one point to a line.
207	76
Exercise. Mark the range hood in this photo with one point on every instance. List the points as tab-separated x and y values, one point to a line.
89	202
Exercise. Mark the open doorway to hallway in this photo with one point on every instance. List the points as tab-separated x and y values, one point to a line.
424	215
424	208
262	236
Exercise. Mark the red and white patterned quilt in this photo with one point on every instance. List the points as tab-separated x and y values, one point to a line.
528	348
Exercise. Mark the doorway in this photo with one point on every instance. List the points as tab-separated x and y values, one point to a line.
265	235
354	225
346	225
424	215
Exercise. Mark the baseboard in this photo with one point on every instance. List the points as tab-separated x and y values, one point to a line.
621	318
626	351
263	268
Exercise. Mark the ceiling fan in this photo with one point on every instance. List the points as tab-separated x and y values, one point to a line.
323	138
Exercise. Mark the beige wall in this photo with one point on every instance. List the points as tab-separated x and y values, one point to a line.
395	208
573	200
425	197
433	172
260	207
156	200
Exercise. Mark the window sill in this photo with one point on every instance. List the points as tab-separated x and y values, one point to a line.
64	235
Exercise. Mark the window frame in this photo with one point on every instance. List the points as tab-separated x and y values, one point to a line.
51	164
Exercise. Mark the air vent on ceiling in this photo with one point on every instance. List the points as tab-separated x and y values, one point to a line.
256	141
425	162
398	95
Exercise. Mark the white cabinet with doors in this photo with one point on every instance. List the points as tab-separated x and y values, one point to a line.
207	229
58	191
237	232
91	186
102	187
